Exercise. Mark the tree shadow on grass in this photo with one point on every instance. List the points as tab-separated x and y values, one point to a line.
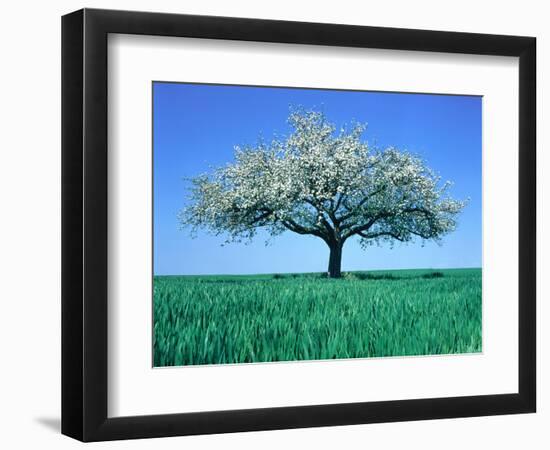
389	276
349	276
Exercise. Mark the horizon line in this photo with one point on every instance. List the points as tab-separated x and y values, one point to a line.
305	273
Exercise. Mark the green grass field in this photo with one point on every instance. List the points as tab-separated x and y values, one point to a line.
288	317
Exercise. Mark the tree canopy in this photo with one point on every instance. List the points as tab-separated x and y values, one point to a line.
323	182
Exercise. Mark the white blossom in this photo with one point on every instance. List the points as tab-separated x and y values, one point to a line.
324	183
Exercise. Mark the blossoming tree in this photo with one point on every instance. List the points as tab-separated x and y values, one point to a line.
323	183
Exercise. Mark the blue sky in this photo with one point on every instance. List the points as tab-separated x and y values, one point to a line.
197	126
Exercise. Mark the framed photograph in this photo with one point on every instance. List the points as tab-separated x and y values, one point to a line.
273	224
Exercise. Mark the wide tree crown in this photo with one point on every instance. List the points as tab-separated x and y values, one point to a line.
324	182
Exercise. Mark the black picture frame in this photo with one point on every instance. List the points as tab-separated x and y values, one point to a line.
84	224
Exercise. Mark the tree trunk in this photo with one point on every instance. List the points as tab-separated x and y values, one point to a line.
335	261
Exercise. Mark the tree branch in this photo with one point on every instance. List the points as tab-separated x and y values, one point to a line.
354	209
367	226
380	234
321	210
341	198
261	217
297	228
